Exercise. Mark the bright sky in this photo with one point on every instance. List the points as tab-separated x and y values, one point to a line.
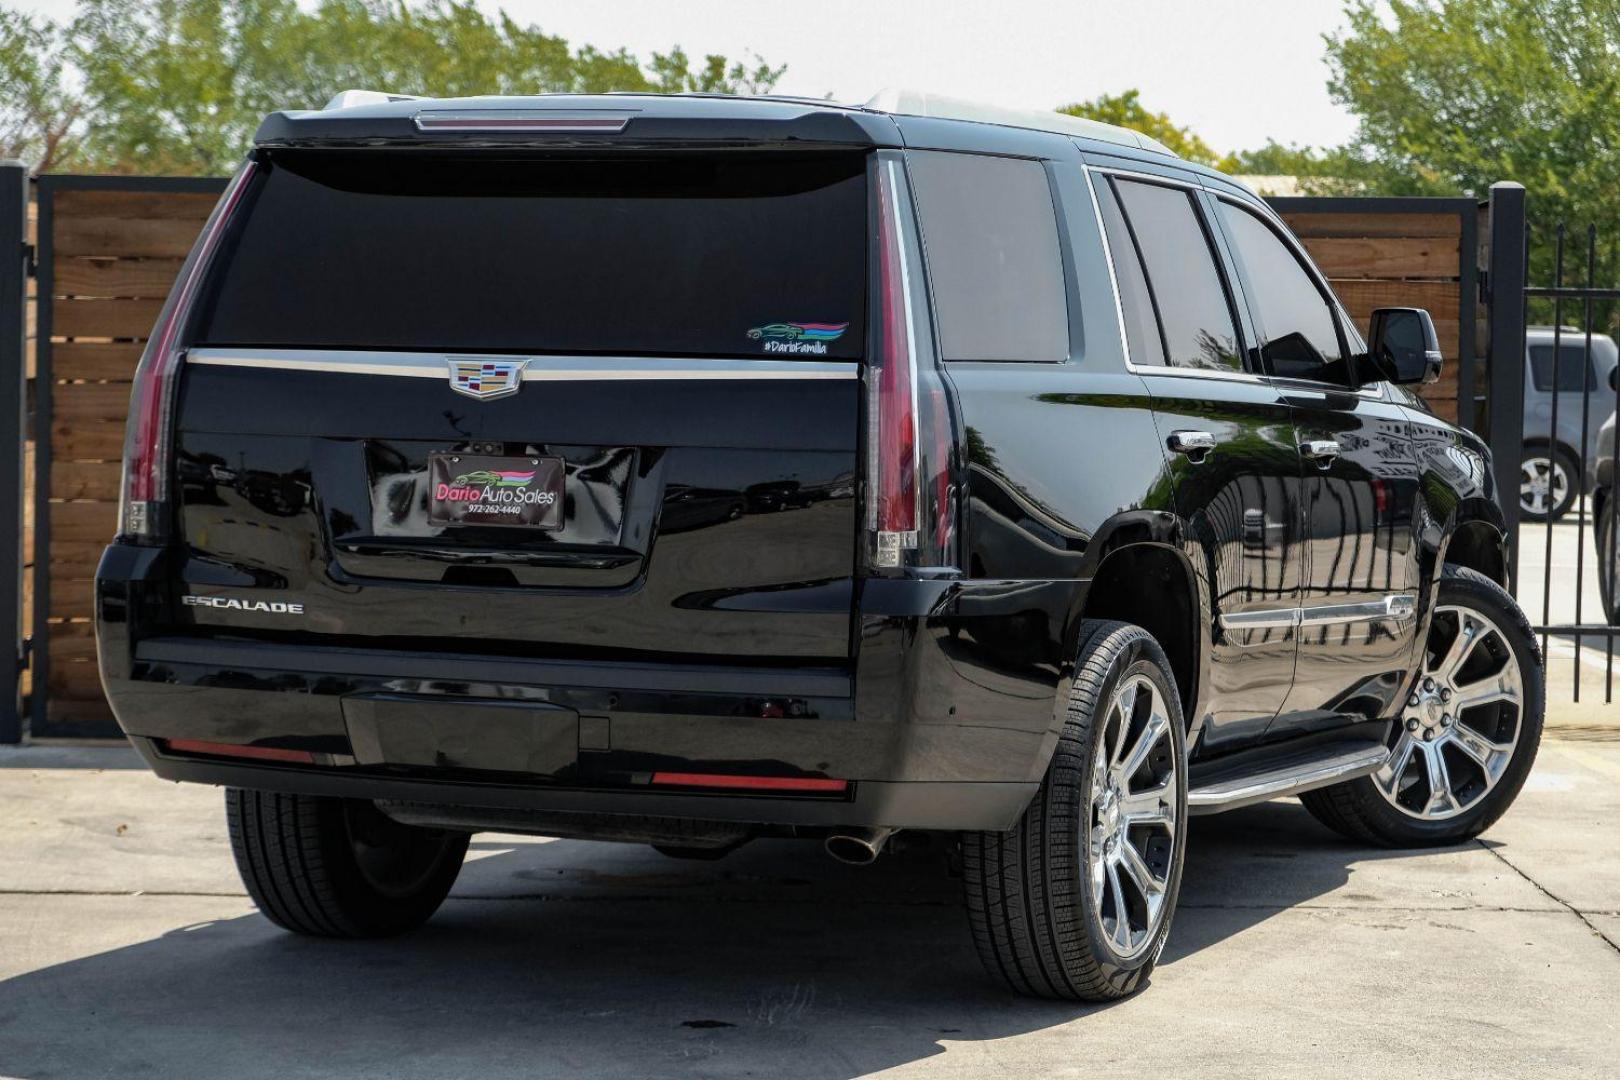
1235	71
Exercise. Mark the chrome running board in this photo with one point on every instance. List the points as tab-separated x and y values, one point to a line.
1336	764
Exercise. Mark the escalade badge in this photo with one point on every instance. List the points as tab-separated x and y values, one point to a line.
485	379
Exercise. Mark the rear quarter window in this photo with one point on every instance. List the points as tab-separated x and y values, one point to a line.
733	255
994	267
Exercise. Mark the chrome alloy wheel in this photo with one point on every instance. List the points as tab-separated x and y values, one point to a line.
1543	485
1133	817
1461	722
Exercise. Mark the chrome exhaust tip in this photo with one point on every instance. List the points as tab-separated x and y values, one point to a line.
857	847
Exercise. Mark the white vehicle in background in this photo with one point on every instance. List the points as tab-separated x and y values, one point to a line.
1550	470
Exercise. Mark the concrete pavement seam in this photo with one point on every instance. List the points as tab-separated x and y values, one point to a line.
1554	897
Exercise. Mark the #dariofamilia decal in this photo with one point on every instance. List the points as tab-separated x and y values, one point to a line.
797	337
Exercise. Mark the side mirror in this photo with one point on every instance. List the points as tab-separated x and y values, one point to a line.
1402	348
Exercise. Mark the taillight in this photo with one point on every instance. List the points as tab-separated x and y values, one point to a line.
151	408
893	506
911	503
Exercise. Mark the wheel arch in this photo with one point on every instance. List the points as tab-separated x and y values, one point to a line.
1480	544
1152	584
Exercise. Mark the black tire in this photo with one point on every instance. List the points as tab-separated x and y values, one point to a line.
1359	810
1608	557
1559	459
339	867
1030	898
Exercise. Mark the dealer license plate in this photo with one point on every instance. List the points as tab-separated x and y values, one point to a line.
472	489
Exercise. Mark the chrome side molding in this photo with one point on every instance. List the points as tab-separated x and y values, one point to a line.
1395	606
1401	606
1264	619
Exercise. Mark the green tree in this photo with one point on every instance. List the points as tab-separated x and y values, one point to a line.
1453	95
38	116
1331	171
178	86
1126	110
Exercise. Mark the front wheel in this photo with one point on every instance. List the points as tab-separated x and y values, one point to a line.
339	867
1075	901
1465	741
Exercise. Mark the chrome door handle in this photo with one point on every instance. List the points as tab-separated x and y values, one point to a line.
1321	451
1195	444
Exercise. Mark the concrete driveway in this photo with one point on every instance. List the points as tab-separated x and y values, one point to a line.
128	949
1558	586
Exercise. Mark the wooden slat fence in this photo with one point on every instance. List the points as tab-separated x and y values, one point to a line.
110	250
1395	252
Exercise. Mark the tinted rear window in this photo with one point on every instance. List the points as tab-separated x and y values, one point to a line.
990	233
707	254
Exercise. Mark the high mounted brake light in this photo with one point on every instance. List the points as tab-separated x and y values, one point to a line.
536	120
151	407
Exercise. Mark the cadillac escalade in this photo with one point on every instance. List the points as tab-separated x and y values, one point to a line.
686	470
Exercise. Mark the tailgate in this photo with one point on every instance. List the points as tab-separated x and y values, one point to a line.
669	349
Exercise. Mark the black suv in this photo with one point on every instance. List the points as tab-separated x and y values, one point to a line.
684	470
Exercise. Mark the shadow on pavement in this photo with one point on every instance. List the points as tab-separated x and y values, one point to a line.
567	958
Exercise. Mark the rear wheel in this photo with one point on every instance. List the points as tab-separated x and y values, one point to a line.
1547	478
339	867
1468	735
1608	557
1075	901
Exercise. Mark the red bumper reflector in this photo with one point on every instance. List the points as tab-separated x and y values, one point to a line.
755	783
262	753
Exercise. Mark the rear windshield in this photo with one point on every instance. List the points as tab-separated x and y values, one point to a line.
740	254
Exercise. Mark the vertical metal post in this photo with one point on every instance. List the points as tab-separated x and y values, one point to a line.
1506	357
39	651
13	403
1467	325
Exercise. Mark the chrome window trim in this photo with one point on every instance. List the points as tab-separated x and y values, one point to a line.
1113	276
1113	280
1152	178
538	369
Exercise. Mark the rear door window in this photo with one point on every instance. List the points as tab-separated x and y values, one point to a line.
1195	313
990	233
740	255
1135	295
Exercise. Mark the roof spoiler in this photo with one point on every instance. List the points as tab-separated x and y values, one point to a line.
372	118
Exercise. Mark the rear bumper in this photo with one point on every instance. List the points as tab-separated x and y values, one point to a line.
945	720
916	805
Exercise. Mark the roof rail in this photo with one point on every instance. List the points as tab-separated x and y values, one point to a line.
919	103
346	98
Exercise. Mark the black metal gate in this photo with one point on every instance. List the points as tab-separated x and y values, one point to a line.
1578	615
